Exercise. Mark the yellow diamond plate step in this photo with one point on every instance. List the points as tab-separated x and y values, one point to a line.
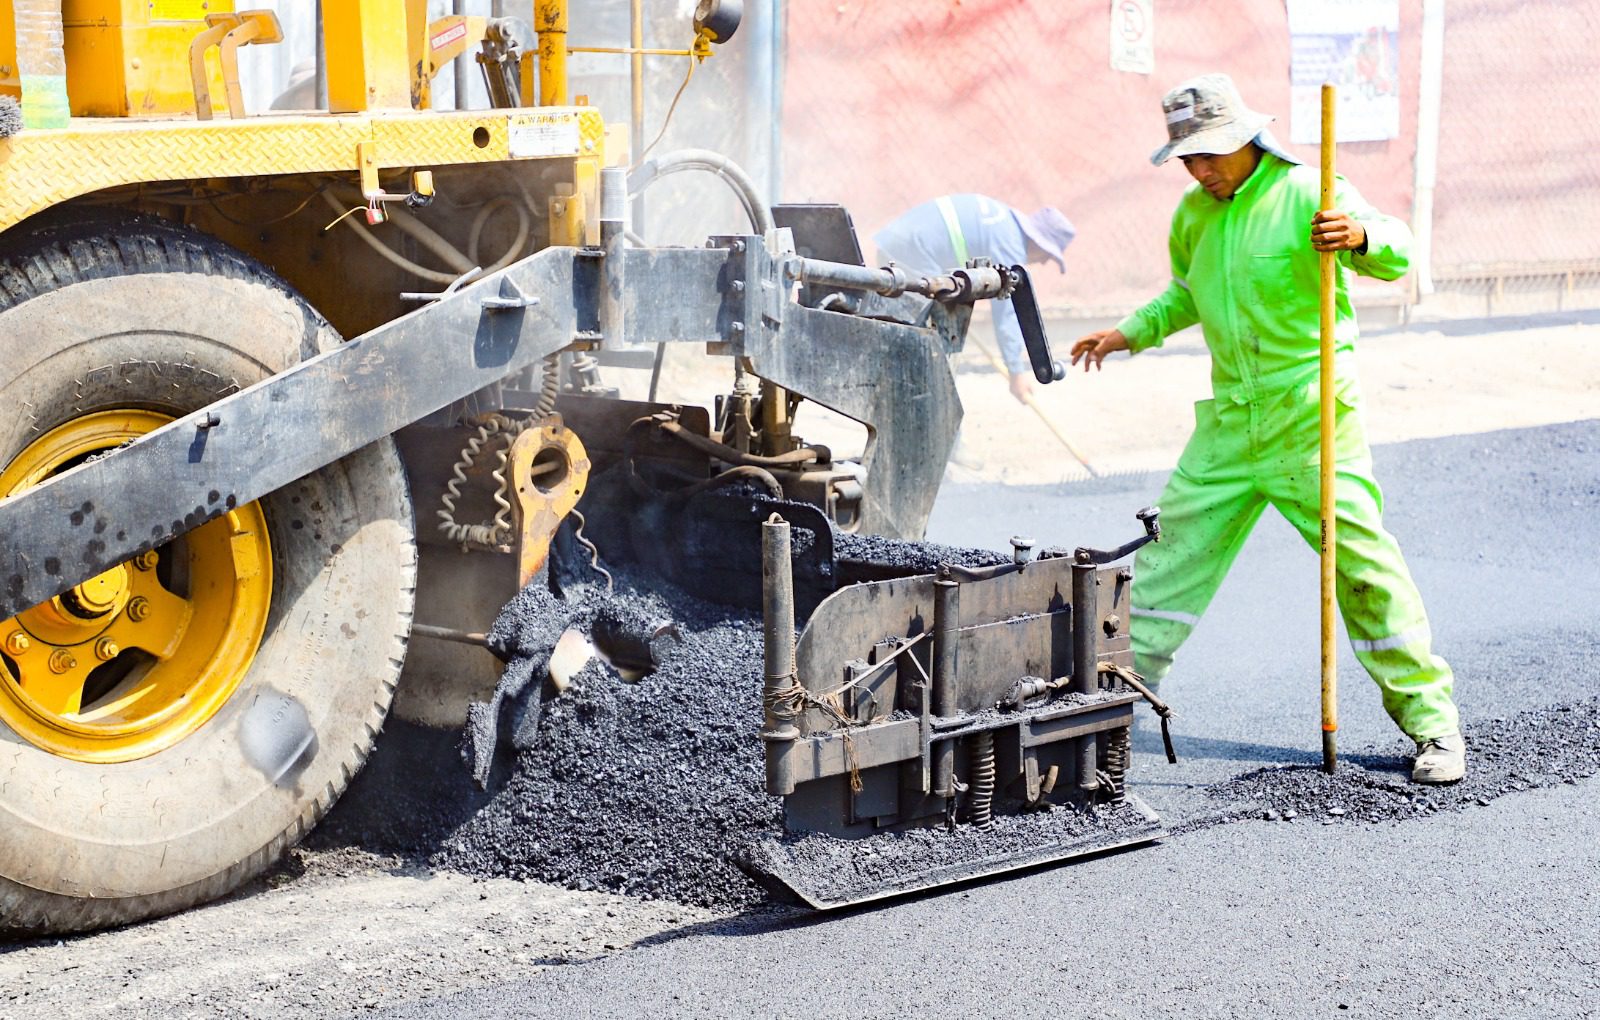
39	169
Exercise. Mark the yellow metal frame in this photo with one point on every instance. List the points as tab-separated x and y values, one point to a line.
128	58
228	32
41	169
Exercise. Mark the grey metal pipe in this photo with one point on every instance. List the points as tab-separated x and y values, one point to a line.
636	142
946	665
777	614
321	81
892	281
1085	658
458	66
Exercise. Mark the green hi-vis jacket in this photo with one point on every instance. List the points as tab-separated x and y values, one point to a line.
1245	270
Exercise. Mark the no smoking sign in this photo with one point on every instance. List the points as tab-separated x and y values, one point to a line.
1132	36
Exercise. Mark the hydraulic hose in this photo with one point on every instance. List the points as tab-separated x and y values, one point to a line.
462	262
712	448
711	162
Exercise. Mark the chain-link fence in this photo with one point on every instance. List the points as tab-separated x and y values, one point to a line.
888	105
1516	224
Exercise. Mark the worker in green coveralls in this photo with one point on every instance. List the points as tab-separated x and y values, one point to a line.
1244	247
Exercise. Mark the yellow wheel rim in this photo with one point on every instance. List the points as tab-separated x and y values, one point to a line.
133	660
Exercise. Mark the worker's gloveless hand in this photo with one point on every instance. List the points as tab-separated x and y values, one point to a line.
1092	349
1332	230
1022	386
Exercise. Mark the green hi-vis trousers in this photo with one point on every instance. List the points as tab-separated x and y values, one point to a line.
1247	452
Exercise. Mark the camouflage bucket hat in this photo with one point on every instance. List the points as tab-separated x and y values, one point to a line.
1207	115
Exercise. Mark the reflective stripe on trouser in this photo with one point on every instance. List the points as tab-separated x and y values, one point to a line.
1243	456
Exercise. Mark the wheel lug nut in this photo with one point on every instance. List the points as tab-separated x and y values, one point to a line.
61	660
17	642
106	649
138	609
146	560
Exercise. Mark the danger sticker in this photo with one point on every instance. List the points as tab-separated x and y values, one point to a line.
448	36
542	134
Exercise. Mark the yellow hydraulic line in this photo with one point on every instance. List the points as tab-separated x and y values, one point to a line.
646	51
1330	267
1000	366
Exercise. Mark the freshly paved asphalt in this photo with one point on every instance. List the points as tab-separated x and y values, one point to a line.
1488	912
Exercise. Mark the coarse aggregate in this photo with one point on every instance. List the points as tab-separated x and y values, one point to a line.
916	556
1536	748
651	788
631	787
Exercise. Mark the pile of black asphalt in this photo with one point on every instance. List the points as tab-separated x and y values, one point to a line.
636	787
1536	748
652	786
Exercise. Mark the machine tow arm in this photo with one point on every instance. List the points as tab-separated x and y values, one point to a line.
78	524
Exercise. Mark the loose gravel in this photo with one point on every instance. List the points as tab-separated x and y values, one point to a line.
637	788
923	557
1542	747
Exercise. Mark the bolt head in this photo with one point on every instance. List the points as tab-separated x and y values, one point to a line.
61	660
106	649
17	643
146	560
139	609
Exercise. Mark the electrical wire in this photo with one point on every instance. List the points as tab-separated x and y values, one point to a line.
212	201
667	120
384	250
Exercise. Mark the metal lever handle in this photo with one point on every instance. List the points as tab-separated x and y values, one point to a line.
1046	368
1151	518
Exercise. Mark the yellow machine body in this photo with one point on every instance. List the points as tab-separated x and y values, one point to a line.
135	143
129	58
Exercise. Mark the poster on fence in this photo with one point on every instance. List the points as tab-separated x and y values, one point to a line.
1133	45
1355	45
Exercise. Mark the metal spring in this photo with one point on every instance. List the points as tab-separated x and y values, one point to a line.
1117	752
594	551
497	532
549	386
477	534
981	756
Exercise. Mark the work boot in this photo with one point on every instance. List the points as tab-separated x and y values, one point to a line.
1440	760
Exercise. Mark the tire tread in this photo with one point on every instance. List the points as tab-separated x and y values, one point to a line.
59	256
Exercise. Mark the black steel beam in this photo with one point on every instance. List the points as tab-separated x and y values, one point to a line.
893	377
264	437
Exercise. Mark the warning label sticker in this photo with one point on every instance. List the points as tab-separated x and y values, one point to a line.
542	134
448	36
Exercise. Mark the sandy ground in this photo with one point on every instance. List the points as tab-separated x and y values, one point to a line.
1419	383
330	933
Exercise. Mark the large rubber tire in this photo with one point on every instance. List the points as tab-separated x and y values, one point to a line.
142	314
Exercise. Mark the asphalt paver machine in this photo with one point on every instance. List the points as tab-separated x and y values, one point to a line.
292	403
